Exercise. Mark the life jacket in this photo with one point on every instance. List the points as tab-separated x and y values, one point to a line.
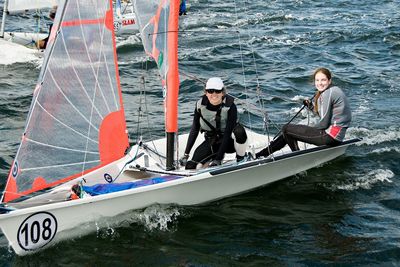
216	119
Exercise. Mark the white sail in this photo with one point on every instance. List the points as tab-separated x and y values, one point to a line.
20	5
76	117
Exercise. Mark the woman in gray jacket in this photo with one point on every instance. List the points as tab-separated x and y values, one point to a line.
331	105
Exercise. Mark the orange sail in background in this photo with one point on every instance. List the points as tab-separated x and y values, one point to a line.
158	22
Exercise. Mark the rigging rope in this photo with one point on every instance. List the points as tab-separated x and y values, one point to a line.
243	33
241	57
264	113
144	112
251	107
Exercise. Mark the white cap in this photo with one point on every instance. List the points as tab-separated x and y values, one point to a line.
215	83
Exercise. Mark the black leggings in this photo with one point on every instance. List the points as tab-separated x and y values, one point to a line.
205	152
209	148
291	133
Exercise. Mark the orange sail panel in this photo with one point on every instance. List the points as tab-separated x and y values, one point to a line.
76	122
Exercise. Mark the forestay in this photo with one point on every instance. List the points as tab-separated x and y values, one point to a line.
76	121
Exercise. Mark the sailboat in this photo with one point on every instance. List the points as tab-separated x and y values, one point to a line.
125	18
27	39
124	21
75	139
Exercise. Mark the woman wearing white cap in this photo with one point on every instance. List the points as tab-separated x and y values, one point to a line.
215	115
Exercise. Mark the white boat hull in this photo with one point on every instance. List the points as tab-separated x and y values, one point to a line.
24	38
51	223
126	24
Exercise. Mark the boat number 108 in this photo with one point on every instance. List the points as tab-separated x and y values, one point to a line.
37	230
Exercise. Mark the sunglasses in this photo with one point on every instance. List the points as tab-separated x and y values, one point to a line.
212	91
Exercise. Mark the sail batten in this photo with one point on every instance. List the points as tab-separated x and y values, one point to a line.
76	123
60	165
60	147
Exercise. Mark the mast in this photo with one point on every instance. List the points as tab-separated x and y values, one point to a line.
158	25
3	20
171	102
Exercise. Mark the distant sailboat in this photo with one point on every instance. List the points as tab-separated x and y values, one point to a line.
75	139
124	20
27	39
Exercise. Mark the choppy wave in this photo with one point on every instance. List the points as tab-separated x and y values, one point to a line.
132	41
158	217
153	218
372	137
367	180
386	149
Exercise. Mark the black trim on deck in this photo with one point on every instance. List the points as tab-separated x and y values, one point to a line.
289	155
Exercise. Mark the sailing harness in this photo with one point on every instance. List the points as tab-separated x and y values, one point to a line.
214	132
214	135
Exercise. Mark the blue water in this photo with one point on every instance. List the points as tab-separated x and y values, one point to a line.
345	213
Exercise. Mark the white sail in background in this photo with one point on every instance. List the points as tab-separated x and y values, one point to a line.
20	5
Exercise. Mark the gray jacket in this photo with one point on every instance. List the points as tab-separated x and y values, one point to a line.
334	111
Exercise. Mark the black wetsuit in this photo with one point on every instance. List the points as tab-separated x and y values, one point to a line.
215	144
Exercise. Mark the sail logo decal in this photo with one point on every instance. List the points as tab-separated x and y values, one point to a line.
108	178
127	22
37	230
15	170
